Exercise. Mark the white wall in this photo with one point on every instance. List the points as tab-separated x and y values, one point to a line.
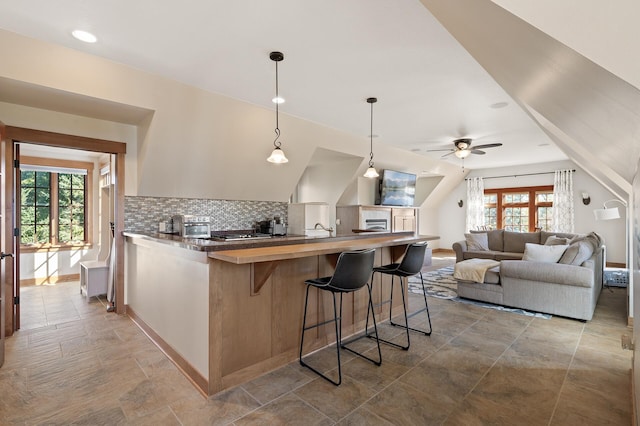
452	217
196	144
35	118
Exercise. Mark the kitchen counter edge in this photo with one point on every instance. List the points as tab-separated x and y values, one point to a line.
216	246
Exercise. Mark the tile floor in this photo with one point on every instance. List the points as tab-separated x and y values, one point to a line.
74	363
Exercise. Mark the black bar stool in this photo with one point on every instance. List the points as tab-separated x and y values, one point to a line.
410	265
353	270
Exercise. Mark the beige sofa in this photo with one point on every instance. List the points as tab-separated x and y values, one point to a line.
562	288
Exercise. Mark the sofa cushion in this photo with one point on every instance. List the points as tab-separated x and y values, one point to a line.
557	241
577	253
543	253
544	235
507	255
515	241
480	254
492	276
581	248
494	237
477	241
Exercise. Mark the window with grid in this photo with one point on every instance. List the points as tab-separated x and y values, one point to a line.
519	209
491	211
35	208
516	212
53	203
544	210
71	207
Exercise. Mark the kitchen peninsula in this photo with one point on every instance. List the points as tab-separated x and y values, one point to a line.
227	312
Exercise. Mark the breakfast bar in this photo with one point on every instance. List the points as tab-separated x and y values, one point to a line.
226	313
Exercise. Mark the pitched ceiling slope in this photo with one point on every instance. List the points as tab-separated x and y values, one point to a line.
605	32
586	108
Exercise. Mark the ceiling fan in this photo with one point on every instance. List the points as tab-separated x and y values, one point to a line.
463	148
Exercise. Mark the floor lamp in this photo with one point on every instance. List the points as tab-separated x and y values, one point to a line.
610	213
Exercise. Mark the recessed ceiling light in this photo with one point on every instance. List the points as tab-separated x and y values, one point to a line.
84	36
278	100
498	105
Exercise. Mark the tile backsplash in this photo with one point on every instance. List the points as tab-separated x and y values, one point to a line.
144	213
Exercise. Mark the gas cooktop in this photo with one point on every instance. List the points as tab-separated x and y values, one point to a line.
239	237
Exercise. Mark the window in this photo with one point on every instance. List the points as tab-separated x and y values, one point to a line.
519	209
54	202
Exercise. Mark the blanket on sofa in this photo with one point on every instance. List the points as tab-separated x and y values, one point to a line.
473	269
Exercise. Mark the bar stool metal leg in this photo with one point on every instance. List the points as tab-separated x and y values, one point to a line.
353	270
410	266
406	318
337	320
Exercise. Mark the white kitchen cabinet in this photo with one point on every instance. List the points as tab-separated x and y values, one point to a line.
404	219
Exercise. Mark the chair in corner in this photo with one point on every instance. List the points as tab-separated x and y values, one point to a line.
352	272
410	265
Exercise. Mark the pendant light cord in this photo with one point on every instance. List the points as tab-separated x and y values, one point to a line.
371	139
276	142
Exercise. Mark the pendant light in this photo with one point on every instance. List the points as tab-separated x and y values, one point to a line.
277	155
371	171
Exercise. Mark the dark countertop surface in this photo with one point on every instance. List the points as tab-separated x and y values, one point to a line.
206	245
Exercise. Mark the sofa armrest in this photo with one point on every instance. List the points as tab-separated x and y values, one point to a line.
460	247
556	273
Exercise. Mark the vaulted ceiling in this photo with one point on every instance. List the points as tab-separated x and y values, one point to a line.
441	69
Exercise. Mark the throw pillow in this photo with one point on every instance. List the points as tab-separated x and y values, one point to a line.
556	241
540	253
577	253
477	242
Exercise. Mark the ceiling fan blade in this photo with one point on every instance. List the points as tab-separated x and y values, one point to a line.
436	150
477	151
487	145
447	154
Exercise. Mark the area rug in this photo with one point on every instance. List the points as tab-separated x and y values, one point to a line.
441	284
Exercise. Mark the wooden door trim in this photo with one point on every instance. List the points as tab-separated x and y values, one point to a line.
3	301
6	243
61	140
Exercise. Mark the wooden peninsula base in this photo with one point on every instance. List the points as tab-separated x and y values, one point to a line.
255	302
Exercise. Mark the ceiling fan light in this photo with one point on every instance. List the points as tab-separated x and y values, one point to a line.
371	173
462	153
277	156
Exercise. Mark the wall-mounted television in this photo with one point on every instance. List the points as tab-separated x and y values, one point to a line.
397	188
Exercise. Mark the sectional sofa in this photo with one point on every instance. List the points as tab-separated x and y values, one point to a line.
569	287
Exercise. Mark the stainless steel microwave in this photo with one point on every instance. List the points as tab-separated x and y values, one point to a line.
190	226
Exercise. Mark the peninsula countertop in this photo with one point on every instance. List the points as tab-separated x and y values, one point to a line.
247	251
317	246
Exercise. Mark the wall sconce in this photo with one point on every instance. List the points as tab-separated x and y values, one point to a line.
460	203
586	199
